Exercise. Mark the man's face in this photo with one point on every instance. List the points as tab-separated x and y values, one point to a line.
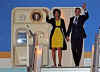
77	12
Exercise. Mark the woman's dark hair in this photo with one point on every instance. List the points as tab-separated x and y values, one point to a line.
58	10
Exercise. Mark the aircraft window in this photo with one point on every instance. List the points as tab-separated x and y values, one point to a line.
21	38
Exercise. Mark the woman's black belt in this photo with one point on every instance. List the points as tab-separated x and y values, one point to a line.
58	26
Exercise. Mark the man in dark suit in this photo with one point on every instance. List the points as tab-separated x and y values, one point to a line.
76	28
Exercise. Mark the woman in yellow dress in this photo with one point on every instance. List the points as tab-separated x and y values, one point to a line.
58	35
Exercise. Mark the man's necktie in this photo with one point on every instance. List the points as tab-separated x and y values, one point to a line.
76	20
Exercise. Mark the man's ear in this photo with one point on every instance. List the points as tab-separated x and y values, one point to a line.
80	12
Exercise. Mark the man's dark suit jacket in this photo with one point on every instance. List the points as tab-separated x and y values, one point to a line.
62	27
77	29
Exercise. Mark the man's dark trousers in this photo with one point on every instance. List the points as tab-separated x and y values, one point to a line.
77	46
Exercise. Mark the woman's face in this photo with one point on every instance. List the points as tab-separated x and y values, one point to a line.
56	14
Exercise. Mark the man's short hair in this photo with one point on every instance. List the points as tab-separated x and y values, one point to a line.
77	9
